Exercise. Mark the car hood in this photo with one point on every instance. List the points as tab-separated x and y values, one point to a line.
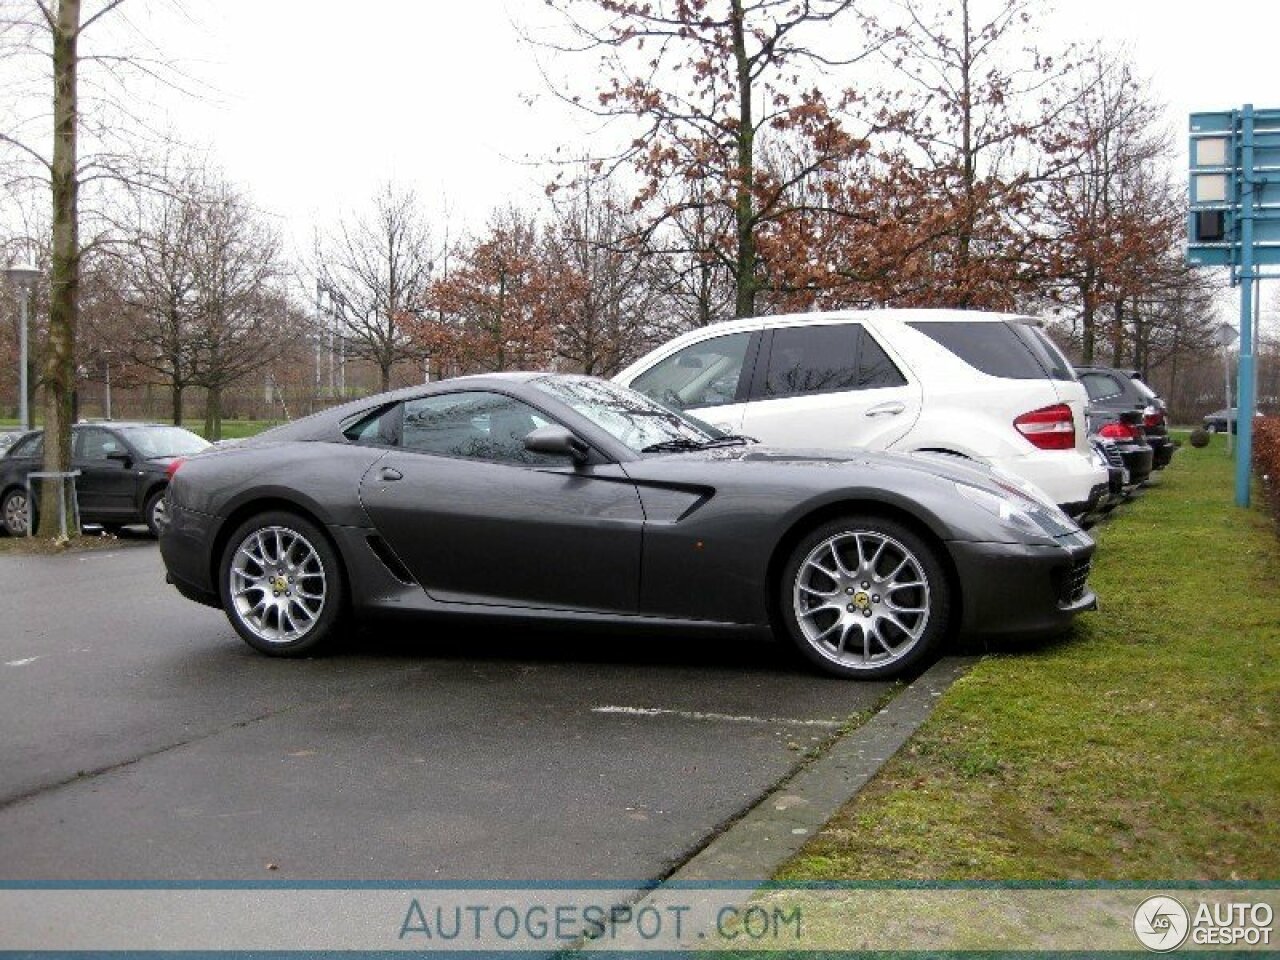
930	467
949	467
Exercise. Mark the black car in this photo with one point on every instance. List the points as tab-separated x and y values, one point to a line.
567	498
1124	438
1112	392
123	472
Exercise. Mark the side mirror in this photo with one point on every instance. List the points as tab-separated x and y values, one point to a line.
120	456
557	441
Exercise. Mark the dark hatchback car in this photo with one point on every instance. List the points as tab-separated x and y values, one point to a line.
1113	392
123	472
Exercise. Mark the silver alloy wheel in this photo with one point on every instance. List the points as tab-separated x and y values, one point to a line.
15	512
277	584
159	513
861	599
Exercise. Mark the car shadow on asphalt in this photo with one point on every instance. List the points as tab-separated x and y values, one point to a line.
431	640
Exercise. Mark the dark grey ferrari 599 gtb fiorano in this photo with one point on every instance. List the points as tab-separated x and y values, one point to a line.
568	498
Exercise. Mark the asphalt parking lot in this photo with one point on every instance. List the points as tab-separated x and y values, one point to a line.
143	739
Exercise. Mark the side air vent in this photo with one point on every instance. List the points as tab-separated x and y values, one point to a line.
389	559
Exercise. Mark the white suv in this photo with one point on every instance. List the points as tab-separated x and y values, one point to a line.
987	386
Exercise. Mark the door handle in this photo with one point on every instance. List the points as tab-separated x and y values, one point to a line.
390	473
890	409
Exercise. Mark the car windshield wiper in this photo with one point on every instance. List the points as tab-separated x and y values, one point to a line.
674	444
728	440
684	443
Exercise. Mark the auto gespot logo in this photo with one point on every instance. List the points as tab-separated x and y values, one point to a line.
1162	923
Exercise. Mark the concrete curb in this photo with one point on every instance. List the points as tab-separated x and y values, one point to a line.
777	827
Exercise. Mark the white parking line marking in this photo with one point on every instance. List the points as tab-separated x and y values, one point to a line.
698	715
20	663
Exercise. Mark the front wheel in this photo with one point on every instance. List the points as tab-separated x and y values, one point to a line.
1211	428
282	585
865	597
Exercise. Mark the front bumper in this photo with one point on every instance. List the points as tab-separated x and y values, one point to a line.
1069	477
1015	589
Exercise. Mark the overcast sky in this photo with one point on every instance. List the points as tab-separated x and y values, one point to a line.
316	102
311	104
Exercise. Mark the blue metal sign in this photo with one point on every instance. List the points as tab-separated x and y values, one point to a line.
1233	221
1221	187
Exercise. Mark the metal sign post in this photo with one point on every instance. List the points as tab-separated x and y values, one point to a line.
1224	337
1234	222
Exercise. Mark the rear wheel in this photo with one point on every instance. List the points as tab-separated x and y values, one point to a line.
13	512
282	585
865	597
156	512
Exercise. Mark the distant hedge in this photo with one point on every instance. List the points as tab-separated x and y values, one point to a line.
1266	457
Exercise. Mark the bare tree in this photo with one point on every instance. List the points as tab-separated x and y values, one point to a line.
982	111
45	39
615	310
243	315
702	87
377	267
159	287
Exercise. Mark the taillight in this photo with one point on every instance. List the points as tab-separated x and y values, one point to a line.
1049	428
1152	417
1118	431
173	466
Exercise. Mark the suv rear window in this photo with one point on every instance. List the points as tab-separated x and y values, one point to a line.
1046	351
997	349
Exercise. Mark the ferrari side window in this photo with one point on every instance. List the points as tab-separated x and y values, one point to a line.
473	424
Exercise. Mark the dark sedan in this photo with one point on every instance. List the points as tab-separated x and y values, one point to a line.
567	498
1113	392
123	472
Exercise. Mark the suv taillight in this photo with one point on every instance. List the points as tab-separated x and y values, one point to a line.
1049	428
1118	431
173	466
1152	417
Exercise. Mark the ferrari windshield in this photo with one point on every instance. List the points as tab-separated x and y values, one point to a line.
632	418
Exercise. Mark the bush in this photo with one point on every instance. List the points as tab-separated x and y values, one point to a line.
1266	457
1199	438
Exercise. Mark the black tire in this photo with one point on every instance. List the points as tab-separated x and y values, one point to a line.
155	503
11	509
329	617
862	604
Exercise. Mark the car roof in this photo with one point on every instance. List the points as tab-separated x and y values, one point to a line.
890	314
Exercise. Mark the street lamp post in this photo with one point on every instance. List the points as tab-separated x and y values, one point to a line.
23	276
106	357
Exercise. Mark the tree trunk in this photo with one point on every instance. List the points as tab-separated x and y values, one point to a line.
1088	331
64	281
384	368
213	414
969	164
177	403
744	202
1117	335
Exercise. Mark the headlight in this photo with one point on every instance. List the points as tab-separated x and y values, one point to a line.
1026	513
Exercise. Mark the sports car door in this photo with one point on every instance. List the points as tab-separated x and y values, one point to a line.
479	519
